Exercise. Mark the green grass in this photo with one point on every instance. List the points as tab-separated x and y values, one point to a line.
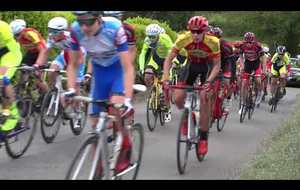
280	156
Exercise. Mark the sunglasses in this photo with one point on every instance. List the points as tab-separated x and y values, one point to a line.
87	22
53	32
152	37
197	31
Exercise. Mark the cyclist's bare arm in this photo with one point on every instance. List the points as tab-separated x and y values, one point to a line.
132	51
129	73
89	66
168	63
215	70
43	56
72	69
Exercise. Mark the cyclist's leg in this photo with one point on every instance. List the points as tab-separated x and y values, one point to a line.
274	79
245	80
283	76
258	72
10	59
150	68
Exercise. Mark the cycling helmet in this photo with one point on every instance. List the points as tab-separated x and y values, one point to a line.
281	50
58	23
91	13
198	23
249	37
154	30
117	14
217	31
17	26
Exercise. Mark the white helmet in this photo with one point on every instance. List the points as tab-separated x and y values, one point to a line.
58	23
17	26
154	30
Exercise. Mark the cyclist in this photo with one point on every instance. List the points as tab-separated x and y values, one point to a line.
34	45
228	66
113	72
10	56
267	69
202	50
156	47
280	61
251	52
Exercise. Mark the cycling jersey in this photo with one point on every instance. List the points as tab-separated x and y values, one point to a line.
31	40
12	55
129	30
157	51
105	45
252	51
103	48
280	62
198	52
64	44
62	61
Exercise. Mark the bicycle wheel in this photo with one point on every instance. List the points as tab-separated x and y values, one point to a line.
183	144
152	113
82	167
20	138
275	101
243	113
250	105
221	121
49	129
137	135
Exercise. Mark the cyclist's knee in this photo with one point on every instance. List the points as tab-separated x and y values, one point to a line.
179	98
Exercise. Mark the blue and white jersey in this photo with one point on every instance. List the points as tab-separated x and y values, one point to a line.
105	45
64	44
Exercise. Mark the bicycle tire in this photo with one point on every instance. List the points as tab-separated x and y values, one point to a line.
138	129
243	113
93	141
20	131
221	121
44	125
181	164
154	112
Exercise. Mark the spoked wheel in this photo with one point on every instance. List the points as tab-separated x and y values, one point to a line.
183	144
85	165
243	113
152	112
275	101
221	121
50	117
137	135
251	106
19	139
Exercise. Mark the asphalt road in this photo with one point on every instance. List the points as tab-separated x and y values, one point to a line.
229	150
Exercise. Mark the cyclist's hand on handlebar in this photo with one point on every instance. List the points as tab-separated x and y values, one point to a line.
207	86
70	93
87	77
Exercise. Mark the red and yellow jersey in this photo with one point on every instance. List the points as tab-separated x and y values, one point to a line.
31	40
198	52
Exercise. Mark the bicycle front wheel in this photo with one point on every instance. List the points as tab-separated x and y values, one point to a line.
152	112
50	117
137	135
83	164
20	138
183	144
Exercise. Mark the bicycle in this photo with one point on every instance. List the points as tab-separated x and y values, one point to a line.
219	113
276	96
192	134
53	113
251	96
27	105
155	103
97	150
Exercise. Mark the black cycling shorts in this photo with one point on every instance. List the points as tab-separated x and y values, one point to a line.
189	73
